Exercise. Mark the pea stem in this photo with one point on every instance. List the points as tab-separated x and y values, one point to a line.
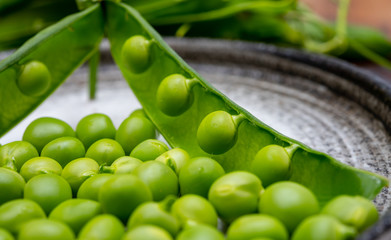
93	65
237	119
291	149
191	82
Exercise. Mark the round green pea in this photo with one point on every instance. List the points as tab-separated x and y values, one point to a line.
200	232
105	151
323	227
122	165
14	154
216	133
64	150
43	130
235	194
198	174
15	213
138	113
289	202
134	130
149	149
5	235
254	226
89	189
102	227
136	54
161	179
94	127
175	158
11	185
145	232
34	79
40	165
45	229
173	96
271	164
48	190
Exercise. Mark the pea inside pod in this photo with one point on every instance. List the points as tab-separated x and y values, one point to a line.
136	53
34	79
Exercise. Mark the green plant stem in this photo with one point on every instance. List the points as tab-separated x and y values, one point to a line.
93	65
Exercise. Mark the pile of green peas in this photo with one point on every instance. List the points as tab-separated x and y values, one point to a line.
98	183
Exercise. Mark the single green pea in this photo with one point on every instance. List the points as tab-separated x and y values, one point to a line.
198	174
323	227
254	226
121	194
48	190
134	130
94	127
45	229
78	170
64	150
11	185
40	165
89	189
138	113
173	96
5	234
192	210
354	211
145	232
122	165
14	154
76	212
105	151
289	202
200	232
217	132
175	158
149	149
34	79
15	213
235	194
271	164
161	179
102	227
157	214
43	130
136	54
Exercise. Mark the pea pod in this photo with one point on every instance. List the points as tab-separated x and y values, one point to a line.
59	49
205	111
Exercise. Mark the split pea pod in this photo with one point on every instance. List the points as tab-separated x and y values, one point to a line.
194	116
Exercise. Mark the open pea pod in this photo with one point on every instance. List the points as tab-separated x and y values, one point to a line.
192	115
39	66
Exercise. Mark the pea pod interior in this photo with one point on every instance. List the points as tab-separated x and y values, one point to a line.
325	176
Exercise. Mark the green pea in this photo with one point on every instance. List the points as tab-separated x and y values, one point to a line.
254	226
34	79
48	190
94	127
5	235
89	189
354	211
121	194
134	130
14	154
15	213
289	202
76	212
198	174
40	165
200	232
192	210
323	227
235	194
145	232
136	54
271	164
157	214
43	130
138	113
175	158
105	151
173	96
122	165
217	132
64	150
149	149
161	180
102	227
45	229
11	185
78	170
